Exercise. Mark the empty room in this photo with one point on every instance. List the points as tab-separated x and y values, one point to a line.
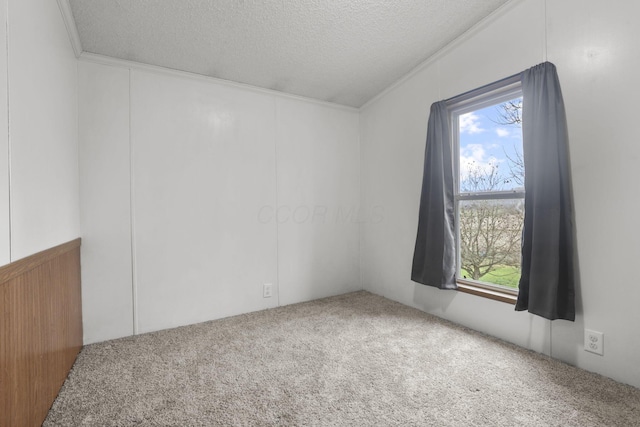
319	213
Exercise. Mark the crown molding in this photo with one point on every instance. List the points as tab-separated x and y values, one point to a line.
139	66
70	23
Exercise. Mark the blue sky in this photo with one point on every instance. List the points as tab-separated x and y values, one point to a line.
484	143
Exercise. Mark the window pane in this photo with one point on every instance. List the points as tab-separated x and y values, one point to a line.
491	148
490	240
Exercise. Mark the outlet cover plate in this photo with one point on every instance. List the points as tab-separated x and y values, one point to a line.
594	342
267	290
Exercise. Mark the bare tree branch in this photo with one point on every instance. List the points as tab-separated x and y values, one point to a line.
516	167
510	113
490	230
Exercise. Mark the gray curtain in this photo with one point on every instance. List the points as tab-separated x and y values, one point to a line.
547	282
434	258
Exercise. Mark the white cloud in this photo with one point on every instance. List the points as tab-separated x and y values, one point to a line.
469	123
502	132
474	152
473	157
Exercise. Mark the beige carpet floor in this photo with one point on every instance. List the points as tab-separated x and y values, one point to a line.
352	360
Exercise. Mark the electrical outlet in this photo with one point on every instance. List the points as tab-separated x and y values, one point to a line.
594	342
267	290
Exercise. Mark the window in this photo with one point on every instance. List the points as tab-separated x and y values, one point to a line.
489	189
484	183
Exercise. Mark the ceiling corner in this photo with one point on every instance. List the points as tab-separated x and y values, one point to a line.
70	23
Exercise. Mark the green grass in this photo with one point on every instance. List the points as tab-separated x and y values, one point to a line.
504	276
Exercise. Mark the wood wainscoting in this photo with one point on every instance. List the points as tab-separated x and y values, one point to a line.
40	331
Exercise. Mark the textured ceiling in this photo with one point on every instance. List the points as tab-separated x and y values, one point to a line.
333	50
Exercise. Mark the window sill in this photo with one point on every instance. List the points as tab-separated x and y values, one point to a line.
472	288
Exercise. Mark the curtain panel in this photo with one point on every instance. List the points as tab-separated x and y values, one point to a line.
434	258
547	284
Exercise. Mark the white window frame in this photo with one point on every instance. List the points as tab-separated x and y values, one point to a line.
475	100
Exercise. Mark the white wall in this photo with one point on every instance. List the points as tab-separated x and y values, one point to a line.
5	243
43	123
318	196
38	130
107	306
594	48
211	166
203	166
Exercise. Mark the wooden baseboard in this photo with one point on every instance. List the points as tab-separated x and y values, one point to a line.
40	331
